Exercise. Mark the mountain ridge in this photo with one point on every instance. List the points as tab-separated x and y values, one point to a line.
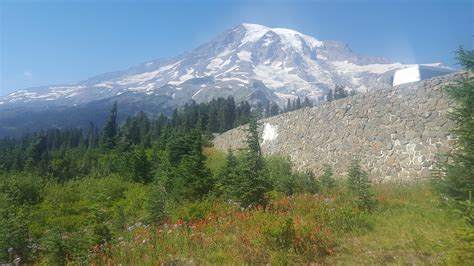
249	62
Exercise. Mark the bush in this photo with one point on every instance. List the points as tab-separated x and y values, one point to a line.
18	193
280	175
77	215
194	211
361	186
326	179
280	234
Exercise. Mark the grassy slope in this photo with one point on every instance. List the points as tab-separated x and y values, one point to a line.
411	227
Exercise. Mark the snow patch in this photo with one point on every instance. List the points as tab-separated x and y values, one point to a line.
269	132
196	93
419	72
289	38
347	67
104	85
214	63
245	56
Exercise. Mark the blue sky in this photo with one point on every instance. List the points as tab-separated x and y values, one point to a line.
53	41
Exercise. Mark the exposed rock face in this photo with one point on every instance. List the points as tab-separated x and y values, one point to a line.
397	133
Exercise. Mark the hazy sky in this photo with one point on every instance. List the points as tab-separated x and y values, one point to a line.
51	42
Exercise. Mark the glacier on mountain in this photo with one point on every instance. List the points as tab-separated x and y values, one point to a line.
249	62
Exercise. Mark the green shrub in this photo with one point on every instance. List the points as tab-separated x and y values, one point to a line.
77	215
360	185
195	210
463	252
280	234
280	175
326	179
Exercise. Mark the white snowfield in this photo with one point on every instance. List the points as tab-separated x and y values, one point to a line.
270	132
288	63
419	72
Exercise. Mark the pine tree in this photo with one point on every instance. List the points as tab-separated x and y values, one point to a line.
339	92
37	152
329	96
288	106
157	202
140	166
361	186
91	136
298	103
229	176
465	58
307	102
109	133
274	109
193	179
253	181
267	109
458	182
229	113
326	179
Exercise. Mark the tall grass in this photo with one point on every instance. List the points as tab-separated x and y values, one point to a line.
409	226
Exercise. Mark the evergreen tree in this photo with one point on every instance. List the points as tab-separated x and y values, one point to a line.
229	113
157	202
229	176
339	92
298	104
37	153
109	133
253	181
326	179
288	106
91	136
307	102
267	109
458	182
193	178
361	186
329	96
213	124
140	166
274	109
465	58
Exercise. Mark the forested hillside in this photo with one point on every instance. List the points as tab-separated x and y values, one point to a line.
154	191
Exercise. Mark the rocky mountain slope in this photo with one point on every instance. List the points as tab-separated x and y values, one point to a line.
250	62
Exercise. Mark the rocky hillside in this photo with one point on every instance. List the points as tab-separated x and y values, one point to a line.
398	133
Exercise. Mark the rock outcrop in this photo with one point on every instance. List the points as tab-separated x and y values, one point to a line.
397	133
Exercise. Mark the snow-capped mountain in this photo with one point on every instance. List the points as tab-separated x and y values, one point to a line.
250	62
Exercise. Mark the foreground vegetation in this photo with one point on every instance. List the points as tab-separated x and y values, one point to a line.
410	226
109	221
